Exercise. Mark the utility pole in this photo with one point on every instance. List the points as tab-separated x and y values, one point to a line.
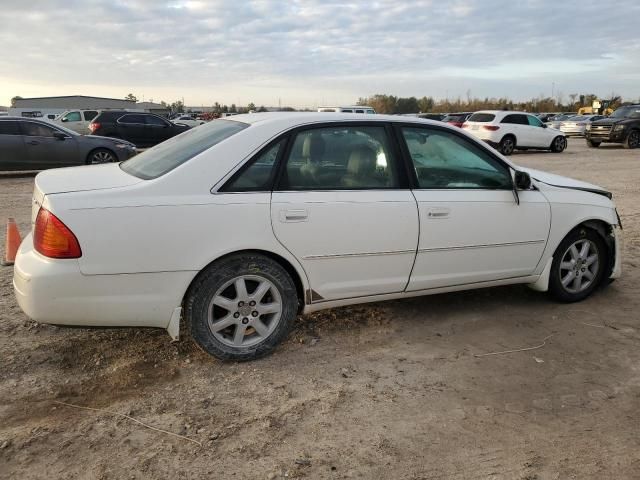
553	88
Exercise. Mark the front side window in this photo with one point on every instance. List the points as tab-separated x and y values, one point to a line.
171	153
533	121
136	119
32	129
257	176
72	117
443	160
340	158
151	120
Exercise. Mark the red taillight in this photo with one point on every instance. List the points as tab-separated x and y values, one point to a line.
93	126
465	125
53	239
456	124
493	128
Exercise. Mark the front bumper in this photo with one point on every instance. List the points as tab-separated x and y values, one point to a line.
618	245
126	153
55	291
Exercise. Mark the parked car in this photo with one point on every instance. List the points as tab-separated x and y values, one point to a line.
188	120
77	120
456	119
544	117
508	131
576	126
232	227
141	129
31	144
431	116
623	126
556	121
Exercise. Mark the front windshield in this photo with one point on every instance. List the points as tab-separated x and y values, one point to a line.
177	150
627	112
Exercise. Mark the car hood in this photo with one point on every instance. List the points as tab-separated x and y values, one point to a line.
564	182
80	179
99	138
608	121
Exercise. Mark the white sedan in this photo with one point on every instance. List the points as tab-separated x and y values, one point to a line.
188	120
241	224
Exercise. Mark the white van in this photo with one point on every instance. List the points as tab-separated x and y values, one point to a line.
352	109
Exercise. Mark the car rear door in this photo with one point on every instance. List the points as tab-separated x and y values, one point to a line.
471	227
44	150
343	208
13	154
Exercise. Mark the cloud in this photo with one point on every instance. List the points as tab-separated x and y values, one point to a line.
306	52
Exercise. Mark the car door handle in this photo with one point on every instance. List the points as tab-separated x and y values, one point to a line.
33	142
439	212
294	215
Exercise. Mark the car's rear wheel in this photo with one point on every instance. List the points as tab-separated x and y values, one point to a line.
507	145
578	265
633	139
242	307
559	144
101	155
592	143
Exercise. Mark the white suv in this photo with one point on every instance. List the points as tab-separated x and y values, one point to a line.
508	131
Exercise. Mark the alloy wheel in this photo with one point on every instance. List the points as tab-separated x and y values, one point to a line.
579	266
102	156
245	311
634	139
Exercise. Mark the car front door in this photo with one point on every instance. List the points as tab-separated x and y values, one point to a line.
132	127
540	136
73	120
471	227
158	128
45	149
12	150
342	207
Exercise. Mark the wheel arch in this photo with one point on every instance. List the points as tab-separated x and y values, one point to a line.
298	277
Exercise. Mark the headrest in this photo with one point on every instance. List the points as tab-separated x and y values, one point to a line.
362	161
313	147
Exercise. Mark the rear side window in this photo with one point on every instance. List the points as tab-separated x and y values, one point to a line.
131	119
171	153
482	117
90	115
151	120
9	128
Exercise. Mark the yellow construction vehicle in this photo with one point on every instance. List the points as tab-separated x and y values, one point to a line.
598	107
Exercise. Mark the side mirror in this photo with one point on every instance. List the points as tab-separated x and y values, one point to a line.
522	180
64	119
59	135
544	125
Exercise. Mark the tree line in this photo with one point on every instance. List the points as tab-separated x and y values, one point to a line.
391	104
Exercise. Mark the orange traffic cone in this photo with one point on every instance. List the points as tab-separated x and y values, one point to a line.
13	242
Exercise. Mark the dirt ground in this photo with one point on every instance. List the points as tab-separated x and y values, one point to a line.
388	391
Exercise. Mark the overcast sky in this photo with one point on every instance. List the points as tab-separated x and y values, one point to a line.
317	52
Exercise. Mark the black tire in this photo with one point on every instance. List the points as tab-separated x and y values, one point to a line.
507	145
559	144
632	140
562	255
101	155
199	306
592	143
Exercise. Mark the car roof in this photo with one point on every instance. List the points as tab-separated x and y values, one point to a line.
293	119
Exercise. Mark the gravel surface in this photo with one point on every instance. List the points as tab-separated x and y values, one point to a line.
389	390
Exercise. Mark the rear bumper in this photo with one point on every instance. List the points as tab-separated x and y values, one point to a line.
55	291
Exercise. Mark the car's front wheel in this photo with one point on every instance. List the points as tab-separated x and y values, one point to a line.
559	144
633	139
241	307
592	143
578	265
101	155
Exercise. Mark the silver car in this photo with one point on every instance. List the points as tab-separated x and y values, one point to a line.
576	126
30	144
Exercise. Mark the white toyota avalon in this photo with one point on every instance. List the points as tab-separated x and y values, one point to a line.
242	223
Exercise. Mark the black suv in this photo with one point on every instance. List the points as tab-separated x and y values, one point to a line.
141	129
623	126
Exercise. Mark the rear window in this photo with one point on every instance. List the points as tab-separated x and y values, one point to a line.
171	153
481	117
